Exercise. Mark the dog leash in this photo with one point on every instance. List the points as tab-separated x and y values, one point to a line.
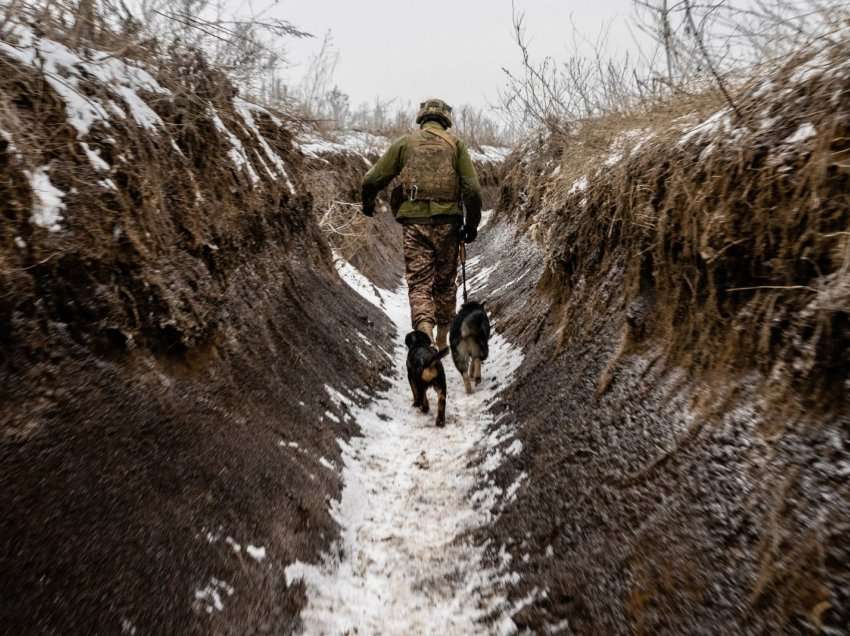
463	270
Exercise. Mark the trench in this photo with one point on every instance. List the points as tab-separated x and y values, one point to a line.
406	562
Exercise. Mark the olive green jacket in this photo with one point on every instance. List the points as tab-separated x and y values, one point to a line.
389	166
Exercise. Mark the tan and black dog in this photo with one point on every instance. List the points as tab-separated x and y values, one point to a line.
469	340
424	371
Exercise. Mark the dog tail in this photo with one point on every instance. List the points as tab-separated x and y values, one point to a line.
438	355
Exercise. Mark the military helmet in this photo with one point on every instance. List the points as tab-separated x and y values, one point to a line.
435	109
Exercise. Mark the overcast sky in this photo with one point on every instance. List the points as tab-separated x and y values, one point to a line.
453	49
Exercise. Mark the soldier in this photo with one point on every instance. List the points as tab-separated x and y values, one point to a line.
437	179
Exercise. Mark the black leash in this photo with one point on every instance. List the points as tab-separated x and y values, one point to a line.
463	269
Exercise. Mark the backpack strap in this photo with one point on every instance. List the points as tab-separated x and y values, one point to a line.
442	134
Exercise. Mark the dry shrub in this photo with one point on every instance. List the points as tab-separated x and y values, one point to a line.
736	237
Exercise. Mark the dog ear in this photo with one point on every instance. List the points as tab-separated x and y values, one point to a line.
410	340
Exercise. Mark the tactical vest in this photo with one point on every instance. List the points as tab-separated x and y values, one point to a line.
429	172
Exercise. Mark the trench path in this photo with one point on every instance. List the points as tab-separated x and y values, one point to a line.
411	492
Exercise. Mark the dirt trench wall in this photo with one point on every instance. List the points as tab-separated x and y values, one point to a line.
675	480
172	384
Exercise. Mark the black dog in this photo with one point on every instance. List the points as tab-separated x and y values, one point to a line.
469	336
424	371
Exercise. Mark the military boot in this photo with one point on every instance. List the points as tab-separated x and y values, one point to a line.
426	327
442	336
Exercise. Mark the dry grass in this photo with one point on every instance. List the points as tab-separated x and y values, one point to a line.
738	238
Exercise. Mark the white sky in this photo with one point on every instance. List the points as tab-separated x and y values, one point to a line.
453	49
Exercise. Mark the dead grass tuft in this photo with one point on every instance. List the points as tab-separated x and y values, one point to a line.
737	233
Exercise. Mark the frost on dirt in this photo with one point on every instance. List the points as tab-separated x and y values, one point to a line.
47	204
404	563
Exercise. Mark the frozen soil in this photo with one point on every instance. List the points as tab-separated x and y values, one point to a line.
171	325
651	509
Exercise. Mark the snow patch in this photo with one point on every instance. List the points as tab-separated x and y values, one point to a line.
47	204
258	553
579	185
237	150
489	154
66	70
245	110
94	158
210	597
405	563
804	132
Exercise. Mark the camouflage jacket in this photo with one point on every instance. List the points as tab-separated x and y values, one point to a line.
390	166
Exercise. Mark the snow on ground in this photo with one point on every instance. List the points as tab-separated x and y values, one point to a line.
404	564
349	142
489	154
366	144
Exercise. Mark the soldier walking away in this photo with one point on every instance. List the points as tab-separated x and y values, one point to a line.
436	181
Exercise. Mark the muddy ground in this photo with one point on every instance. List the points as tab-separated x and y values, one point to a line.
163	373
650	510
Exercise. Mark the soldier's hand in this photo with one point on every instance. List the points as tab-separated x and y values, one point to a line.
468	234
368	208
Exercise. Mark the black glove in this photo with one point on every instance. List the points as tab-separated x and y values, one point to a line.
369	207
468	233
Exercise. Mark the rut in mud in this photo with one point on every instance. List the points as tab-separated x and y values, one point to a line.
405	563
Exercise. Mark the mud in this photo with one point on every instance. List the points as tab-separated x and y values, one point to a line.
165	357
651	510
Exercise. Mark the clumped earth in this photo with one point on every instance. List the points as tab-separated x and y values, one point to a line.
687	447
163	371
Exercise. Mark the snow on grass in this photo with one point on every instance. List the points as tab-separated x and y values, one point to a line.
344	143
47	205
579	185
718	122
237	152
247	110
94	158
804	132
10	145
65	70
489	154
404	563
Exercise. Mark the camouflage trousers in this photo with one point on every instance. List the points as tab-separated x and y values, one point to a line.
430	267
